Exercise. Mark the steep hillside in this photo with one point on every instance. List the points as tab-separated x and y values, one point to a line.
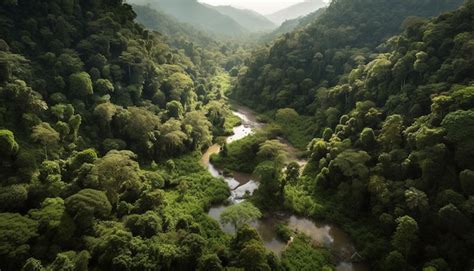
295	11
204	51
293	25
169	26
392	154
109	113
251	20
289	73
101	127
198	15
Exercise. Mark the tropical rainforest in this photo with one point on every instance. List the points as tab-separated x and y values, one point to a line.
363	118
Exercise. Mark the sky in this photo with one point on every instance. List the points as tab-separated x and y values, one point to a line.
261	6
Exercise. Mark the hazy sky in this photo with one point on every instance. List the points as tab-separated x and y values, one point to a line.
262	6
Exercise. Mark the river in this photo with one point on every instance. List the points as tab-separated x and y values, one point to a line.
240	184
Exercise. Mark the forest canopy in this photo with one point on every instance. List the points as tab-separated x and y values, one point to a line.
365	117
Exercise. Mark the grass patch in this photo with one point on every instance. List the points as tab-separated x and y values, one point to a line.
298	129
302	255
241	155
222	81
231	121
299	132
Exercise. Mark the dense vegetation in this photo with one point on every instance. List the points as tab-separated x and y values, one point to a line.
101	127
290	73
103	122
393	120
204	51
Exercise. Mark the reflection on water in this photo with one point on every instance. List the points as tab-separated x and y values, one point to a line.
267	229
215	212
239	133
240	184
323	235
237	195
249	123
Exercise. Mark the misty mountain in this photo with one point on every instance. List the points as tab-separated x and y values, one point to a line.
199	15
251	20
295	11
159	21
293	24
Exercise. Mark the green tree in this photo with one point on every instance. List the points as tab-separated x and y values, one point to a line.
460	127
453	219
79	158
240	214
244	235
200	129
367	138
80	84
13	197
269	174
175	109
140	125
391	133
253	257
105	112
327	134
114	246
145	225
50	214
405	237
115	173
75	123
416	199
286	115
45	135
172	138
467	181
8	146
352	163
273	150
104	86
318	149
292	172
15	232
86	205
210	262
394	261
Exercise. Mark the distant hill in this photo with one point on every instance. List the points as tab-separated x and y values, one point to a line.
293	24
295	11
251	20
166	24
198	15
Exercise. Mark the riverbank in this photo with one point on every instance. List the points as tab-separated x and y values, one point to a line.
243	185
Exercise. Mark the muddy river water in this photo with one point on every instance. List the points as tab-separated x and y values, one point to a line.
322	234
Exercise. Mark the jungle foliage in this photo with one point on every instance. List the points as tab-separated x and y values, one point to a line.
391	119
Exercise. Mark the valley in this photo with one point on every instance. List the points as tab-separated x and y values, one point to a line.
243	185
180	135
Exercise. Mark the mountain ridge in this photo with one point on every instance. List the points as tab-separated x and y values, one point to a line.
249	19
295	11
198	15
